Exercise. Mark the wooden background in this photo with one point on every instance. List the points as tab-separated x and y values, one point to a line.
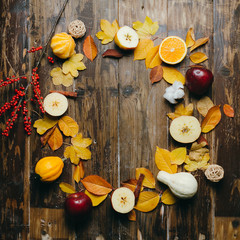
126	118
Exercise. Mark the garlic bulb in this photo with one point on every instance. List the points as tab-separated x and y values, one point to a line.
183	185
174	92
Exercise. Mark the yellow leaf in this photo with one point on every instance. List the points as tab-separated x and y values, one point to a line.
163	161
190	38
199	43
142	49
58	77
194	165
96	200
55	141
132	216
198	57
168	198
147	201
73	64
96	185
44	124
170	75
78	172
108	31
83	153
149	180
197	151
67	188
178	155
203	105
146	29
72	154
153	59
180	110
68	126
79	141
212	119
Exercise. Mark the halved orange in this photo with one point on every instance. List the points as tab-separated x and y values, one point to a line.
172	50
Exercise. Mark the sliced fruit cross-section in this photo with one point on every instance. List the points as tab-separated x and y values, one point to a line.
185	129
172	50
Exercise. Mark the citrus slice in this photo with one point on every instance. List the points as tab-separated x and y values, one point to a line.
172	50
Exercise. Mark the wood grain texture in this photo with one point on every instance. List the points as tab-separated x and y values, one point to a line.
125	115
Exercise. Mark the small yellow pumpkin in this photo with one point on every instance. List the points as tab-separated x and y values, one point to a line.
49	168
63	45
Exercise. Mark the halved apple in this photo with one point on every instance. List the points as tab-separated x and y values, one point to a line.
126	38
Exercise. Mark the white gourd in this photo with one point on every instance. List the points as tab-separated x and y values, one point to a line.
183	185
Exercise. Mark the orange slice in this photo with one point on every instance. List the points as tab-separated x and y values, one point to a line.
172	50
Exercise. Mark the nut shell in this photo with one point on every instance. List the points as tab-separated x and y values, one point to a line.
214	173
77	29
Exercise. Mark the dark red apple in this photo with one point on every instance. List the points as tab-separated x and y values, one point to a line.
78	204
198	80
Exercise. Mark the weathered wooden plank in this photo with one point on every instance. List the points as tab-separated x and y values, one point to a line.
226	85
186	220
13	200
141	125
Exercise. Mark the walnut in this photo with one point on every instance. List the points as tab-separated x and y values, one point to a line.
214	173
77	29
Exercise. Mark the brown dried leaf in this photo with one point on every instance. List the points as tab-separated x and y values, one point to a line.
199	43
45	137
90	48
132	216
212	119
149	180
194	165
56	140
198	57
197	151
190	38
156	74
203	105
96	185
114	53
228	110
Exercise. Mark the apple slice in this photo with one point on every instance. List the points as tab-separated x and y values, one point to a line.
185	129
123	200
55	104
126	38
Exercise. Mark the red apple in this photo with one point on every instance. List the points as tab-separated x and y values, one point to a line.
78	204
198	80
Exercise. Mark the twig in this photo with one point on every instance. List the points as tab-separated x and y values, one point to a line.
9	63
51	33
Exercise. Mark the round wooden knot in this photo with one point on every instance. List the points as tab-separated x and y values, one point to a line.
214	173
76	29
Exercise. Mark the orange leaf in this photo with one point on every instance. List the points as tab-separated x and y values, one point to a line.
203	105
153	59
190	38
211	120
131	184
168	198
68	126
96	185
228	110
78	172
156	74
149	180
56	140
198	57
45	137
142	49
163	161
132	216
199	43
147	201
90	48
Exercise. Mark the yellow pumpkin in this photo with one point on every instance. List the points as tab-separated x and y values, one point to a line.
63	45
49	168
